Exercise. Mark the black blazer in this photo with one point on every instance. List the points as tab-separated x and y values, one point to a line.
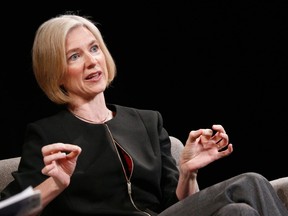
99	185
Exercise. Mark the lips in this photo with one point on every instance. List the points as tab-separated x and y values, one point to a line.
95	75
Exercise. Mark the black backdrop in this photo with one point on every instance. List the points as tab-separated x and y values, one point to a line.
198	63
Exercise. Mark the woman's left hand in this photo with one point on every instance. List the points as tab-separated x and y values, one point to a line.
203	147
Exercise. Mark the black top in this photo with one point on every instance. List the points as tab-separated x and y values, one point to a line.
99	185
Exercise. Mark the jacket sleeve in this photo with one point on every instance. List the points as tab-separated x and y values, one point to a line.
31	163
170	173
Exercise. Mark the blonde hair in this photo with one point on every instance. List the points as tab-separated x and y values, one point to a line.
49	58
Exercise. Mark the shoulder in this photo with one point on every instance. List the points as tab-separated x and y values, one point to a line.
60	126
144	113
136	117
52	122
57	117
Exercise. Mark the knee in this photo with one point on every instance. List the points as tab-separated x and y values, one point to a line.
248	185
237	209
254	178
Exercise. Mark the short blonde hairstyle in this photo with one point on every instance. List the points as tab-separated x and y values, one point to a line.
49	57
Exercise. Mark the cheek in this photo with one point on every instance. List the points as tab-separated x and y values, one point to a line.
102	62
74	70
73	73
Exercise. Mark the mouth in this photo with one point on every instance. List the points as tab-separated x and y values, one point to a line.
93	76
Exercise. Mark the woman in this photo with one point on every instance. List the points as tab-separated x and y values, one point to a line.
94	158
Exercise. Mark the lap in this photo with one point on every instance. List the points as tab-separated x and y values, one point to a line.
243	188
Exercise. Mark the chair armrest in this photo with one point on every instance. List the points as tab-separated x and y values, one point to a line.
176	148
7	166
281	187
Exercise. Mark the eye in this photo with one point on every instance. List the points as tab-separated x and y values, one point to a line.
94	48
73	57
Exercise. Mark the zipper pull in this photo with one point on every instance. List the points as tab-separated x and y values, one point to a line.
129	187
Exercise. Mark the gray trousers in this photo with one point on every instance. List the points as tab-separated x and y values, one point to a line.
246	194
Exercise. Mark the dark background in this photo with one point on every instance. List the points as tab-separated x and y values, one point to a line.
197	62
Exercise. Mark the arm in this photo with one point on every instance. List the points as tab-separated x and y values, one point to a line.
59	166
201	148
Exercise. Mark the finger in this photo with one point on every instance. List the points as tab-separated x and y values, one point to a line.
48	159
47	169
227	151
56	147
218	128
222	140
73	154
194	134
206	135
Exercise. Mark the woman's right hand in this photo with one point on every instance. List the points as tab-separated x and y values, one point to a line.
60	161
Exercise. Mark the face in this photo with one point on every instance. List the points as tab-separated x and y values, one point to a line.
86	74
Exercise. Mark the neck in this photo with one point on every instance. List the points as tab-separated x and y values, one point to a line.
102	120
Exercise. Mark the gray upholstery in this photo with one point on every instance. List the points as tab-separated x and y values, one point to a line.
11	164
176	148
6	167
281	187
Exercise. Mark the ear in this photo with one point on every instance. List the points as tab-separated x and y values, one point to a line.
63	89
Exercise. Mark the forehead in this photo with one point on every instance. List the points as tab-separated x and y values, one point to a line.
79	36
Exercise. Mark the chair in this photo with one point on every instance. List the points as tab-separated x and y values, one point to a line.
11	164
7	166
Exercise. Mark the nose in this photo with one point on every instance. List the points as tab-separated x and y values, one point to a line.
90	60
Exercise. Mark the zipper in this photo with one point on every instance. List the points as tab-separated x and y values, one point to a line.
128	178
